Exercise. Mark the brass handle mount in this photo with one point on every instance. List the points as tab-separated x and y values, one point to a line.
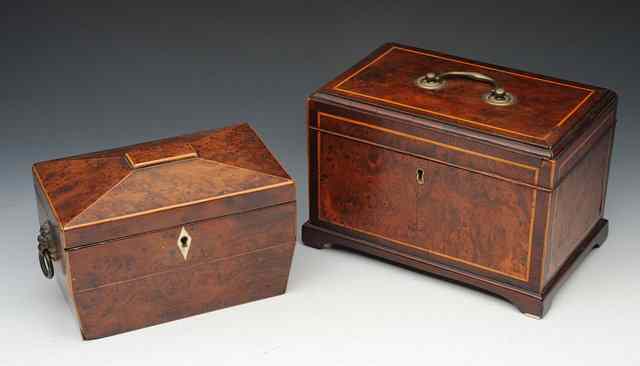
496	96
47	251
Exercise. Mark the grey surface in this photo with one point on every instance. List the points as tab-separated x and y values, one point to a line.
79	79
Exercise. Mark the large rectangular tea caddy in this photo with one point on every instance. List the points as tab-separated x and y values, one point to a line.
154	232
486	175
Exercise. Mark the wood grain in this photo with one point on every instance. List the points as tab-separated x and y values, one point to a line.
577	205
104	189
188	291
241	147
159	153
70	195
527	301
442	152
178	215
512	198
543	106
487	225
367	188
119	215
172	184
144	254
471	219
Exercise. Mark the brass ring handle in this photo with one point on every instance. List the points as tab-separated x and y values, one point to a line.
497	96
46	250
46	264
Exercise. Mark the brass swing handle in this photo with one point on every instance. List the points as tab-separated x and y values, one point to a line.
497	96
46	249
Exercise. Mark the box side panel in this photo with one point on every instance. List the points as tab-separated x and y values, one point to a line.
164	250
582	145
186	291
60	260
577	202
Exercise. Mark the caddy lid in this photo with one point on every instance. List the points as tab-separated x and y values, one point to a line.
130	190
488	100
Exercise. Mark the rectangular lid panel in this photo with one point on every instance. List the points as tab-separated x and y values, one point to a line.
110	192
459	92
159	153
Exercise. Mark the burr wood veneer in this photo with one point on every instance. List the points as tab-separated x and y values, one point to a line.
154	232
486	175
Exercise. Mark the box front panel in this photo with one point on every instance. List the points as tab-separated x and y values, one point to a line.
366	188
466	218
160	251
164	275
187	291
463	218
430	144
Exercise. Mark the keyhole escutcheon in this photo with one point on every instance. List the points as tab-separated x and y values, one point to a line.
420	176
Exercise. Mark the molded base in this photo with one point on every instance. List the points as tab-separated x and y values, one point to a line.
530	303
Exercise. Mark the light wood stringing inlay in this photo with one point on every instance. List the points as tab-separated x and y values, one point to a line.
560	123
531	223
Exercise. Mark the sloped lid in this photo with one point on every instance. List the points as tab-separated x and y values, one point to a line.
537	110
111	187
